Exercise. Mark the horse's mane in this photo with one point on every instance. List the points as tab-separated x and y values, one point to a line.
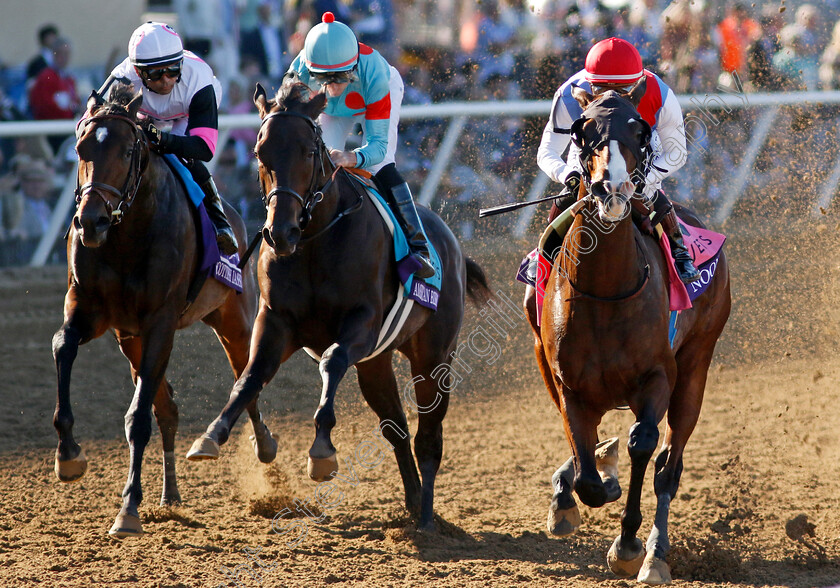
295	96
118	99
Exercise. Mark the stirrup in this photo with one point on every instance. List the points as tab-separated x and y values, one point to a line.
426	269
226	241
686	270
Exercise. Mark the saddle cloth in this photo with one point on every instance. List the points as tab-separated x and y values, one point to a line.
224	268
704	246
423	291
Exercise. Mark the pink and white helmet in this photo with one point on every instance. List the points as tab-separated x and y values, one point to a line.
154	43
613	61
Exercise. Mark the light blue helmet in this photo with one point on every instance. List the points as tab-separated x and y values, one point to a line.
330	46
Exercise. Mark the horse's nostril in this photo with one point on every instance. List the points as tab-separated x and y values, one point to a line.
77	224
266	234
102	223
293	236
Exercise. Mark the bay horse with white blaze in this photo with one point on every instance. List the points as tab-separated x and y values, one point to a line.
603	339
132	257
327	278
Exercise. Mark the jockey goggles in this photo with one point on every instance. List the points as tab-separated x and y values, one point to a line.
333	77
155	74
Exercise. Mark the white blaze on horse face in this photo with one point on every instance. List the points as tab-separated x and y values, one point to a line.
613	207
101	134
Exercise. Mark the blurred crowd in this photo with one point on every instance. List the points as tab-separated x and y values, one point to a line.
501	50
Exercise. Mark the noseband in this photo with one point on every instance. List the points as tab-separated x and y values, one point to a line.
312	196
132	181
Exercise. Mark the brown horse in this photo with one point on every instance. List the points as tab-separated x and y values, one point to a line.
132	257
603	342
327	279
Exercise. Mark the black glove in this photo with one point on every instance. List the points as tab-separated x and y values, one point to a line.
158	140
572	184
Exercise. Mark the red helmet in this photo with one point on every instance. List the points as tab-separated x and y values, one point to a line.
613	61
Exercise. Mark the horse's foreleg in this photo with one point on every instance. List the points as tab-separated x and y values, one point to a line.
379	387
271	346
356	338
627	552
70	461
157	346
166	415
233	328
683	412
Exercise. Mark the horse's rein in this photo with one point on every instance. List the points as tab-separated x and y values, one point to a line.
129	191
312	197
581	295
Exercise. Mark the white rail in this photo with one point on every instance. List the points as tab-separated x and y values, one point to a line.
459	112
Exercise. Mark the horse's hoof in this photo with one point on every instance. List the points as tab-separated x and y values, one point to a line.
654	571
170	500
203	448
322	469
562	523
625	562
427	527
126	525
266	448
70	470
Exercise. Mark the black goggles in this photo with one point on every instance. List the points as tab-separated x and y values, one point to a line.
153	75
333	77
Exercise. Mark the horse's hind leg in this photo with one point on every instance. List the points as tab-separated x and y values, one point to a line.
627	553
379	387
233	328
683	412
166	415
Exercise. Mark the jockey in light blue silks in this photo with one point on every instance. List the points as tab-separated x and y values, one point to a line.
362	87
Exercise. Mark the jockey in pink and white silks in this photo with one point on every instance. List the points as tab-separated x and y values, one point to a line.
615	64
361	86
181	95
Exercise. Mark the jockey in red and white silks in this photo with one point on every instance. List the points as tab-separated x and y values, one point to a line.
615	64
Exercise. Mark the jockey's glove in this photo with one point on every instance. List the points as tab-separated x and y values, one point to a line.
158	140
572	183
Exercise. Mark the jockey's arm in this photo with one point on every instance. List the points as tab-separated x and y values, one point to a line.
202	129
553	144
673	153
376	79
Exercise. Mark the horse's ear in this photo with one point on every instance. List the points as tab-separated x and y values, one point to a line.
94	100
260	100
582	96
134	105
637	91
316	105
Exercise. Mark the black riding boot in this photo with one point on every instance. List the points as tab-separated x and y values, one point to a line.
682	258
215	210
409	220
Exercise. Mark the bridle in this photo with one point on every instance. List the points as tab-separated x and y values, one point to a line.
129	190
313	196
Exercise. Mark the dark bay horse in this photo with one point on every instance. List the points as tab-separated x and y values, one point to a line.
132	257
327	279
603	341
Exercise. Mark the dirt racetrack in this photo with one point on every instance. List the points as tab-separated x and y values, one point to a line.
758	505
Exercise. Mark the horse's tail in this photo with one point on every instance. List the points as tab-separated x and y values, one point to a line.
477	288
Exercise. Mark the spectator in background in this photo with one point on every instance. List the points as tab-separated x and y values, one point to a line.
266	44
733	35
26	205
209	29
373	23
763	76
788	60
830	61
47	35
811	44
494	42
53	94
